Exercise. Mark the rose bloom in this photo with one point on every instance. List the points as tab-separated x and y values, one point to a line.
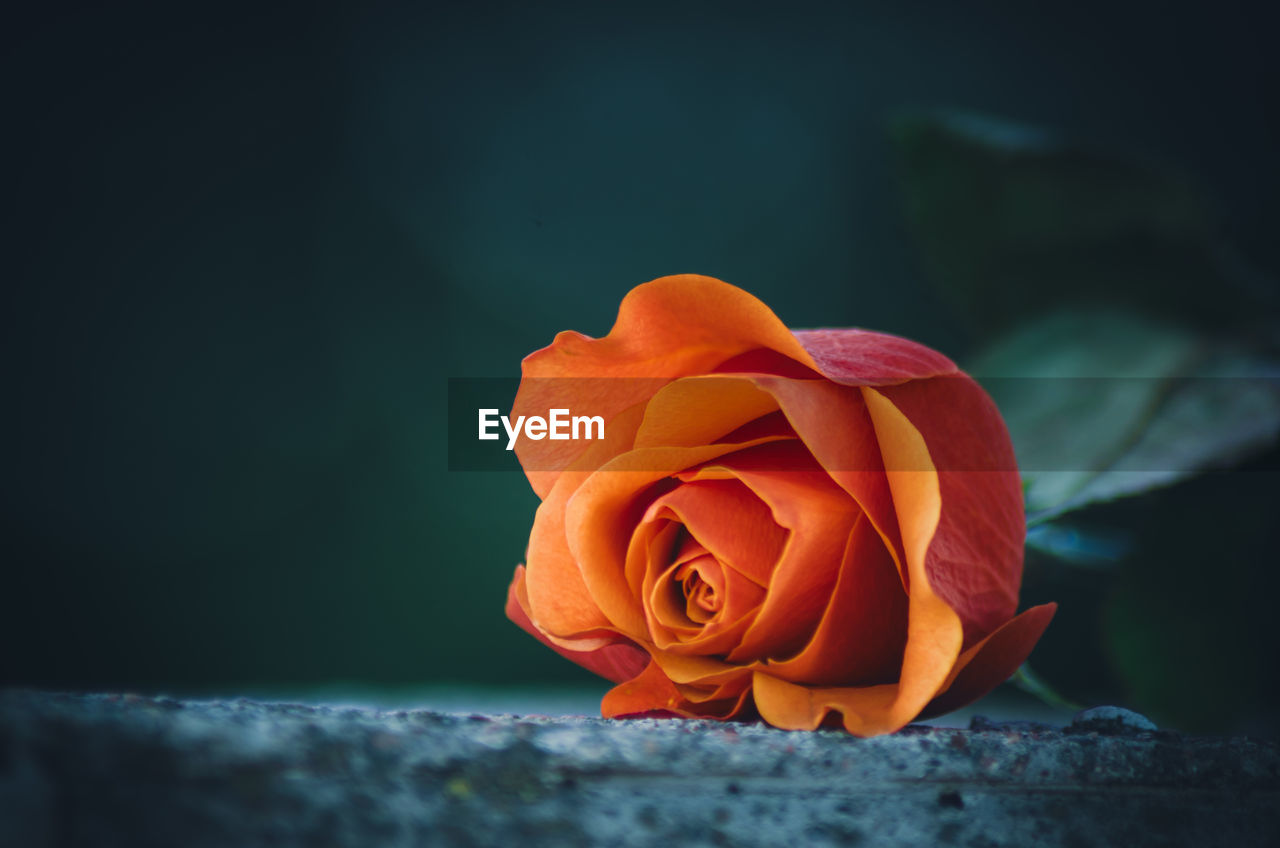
810	527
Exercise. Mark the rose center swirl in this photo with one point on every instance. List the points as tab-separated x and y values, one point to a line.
700	577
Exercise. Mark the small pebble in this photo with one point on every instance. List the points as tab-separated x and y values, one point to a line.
1111	720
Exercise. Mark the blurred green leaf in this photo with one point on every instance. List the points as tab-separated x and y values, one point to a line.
1033	684
1013	220
1229	410
1102	405
1053	380
1087	548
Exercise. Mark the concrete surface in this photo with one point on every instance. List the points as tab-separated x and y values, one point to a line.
126	770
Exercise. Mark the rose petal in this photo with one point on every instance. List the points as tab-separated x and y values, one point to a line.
668	328
865	710
863	631
731	522
975	561
652	694
717	637
601	516
819	516
646	691
652	549
992	661
544	460
728	700
854	357
934	632
701	410
559	601
616	658
725	687
833	423
671	605
695	670
690	548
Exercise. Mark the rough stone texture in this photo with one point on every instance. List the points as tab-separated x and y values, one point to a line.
125	770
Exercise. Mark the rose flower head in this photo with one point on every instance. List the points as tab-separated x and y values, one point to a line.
810	527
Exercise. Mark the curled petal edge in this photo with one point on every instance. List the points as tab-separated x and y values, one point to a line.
609	655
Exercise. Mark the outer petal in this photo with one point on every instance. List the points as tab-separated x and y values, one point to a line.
618	659
865	358
934	632
699	410
975	561
866	710
991	662
559	603
652	693
668	328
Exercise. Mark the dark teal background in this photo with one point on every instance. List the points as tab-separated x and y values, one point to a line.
245	249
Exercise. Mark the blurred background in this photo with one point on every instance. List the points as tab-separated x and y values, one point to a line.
245	250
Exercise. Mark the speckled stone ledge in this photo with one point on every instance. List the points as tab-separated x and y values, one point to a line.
108	770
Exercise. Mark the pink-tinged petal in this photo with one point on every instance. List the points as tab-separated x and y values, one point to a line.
855	357
992	661
668	328
975	561
935	634
616	658
934	630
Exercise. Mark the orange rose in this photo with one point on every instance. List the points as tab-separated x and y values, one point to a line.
795	525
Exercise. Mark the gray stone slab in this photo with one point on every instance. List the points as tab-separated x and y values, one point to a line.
123	770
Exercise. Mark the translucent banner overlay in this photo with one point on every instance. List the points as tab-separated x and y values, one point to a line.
1141	425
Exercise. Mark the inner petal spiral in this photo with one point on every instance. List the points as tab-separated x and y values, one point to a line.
699	580
703	597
